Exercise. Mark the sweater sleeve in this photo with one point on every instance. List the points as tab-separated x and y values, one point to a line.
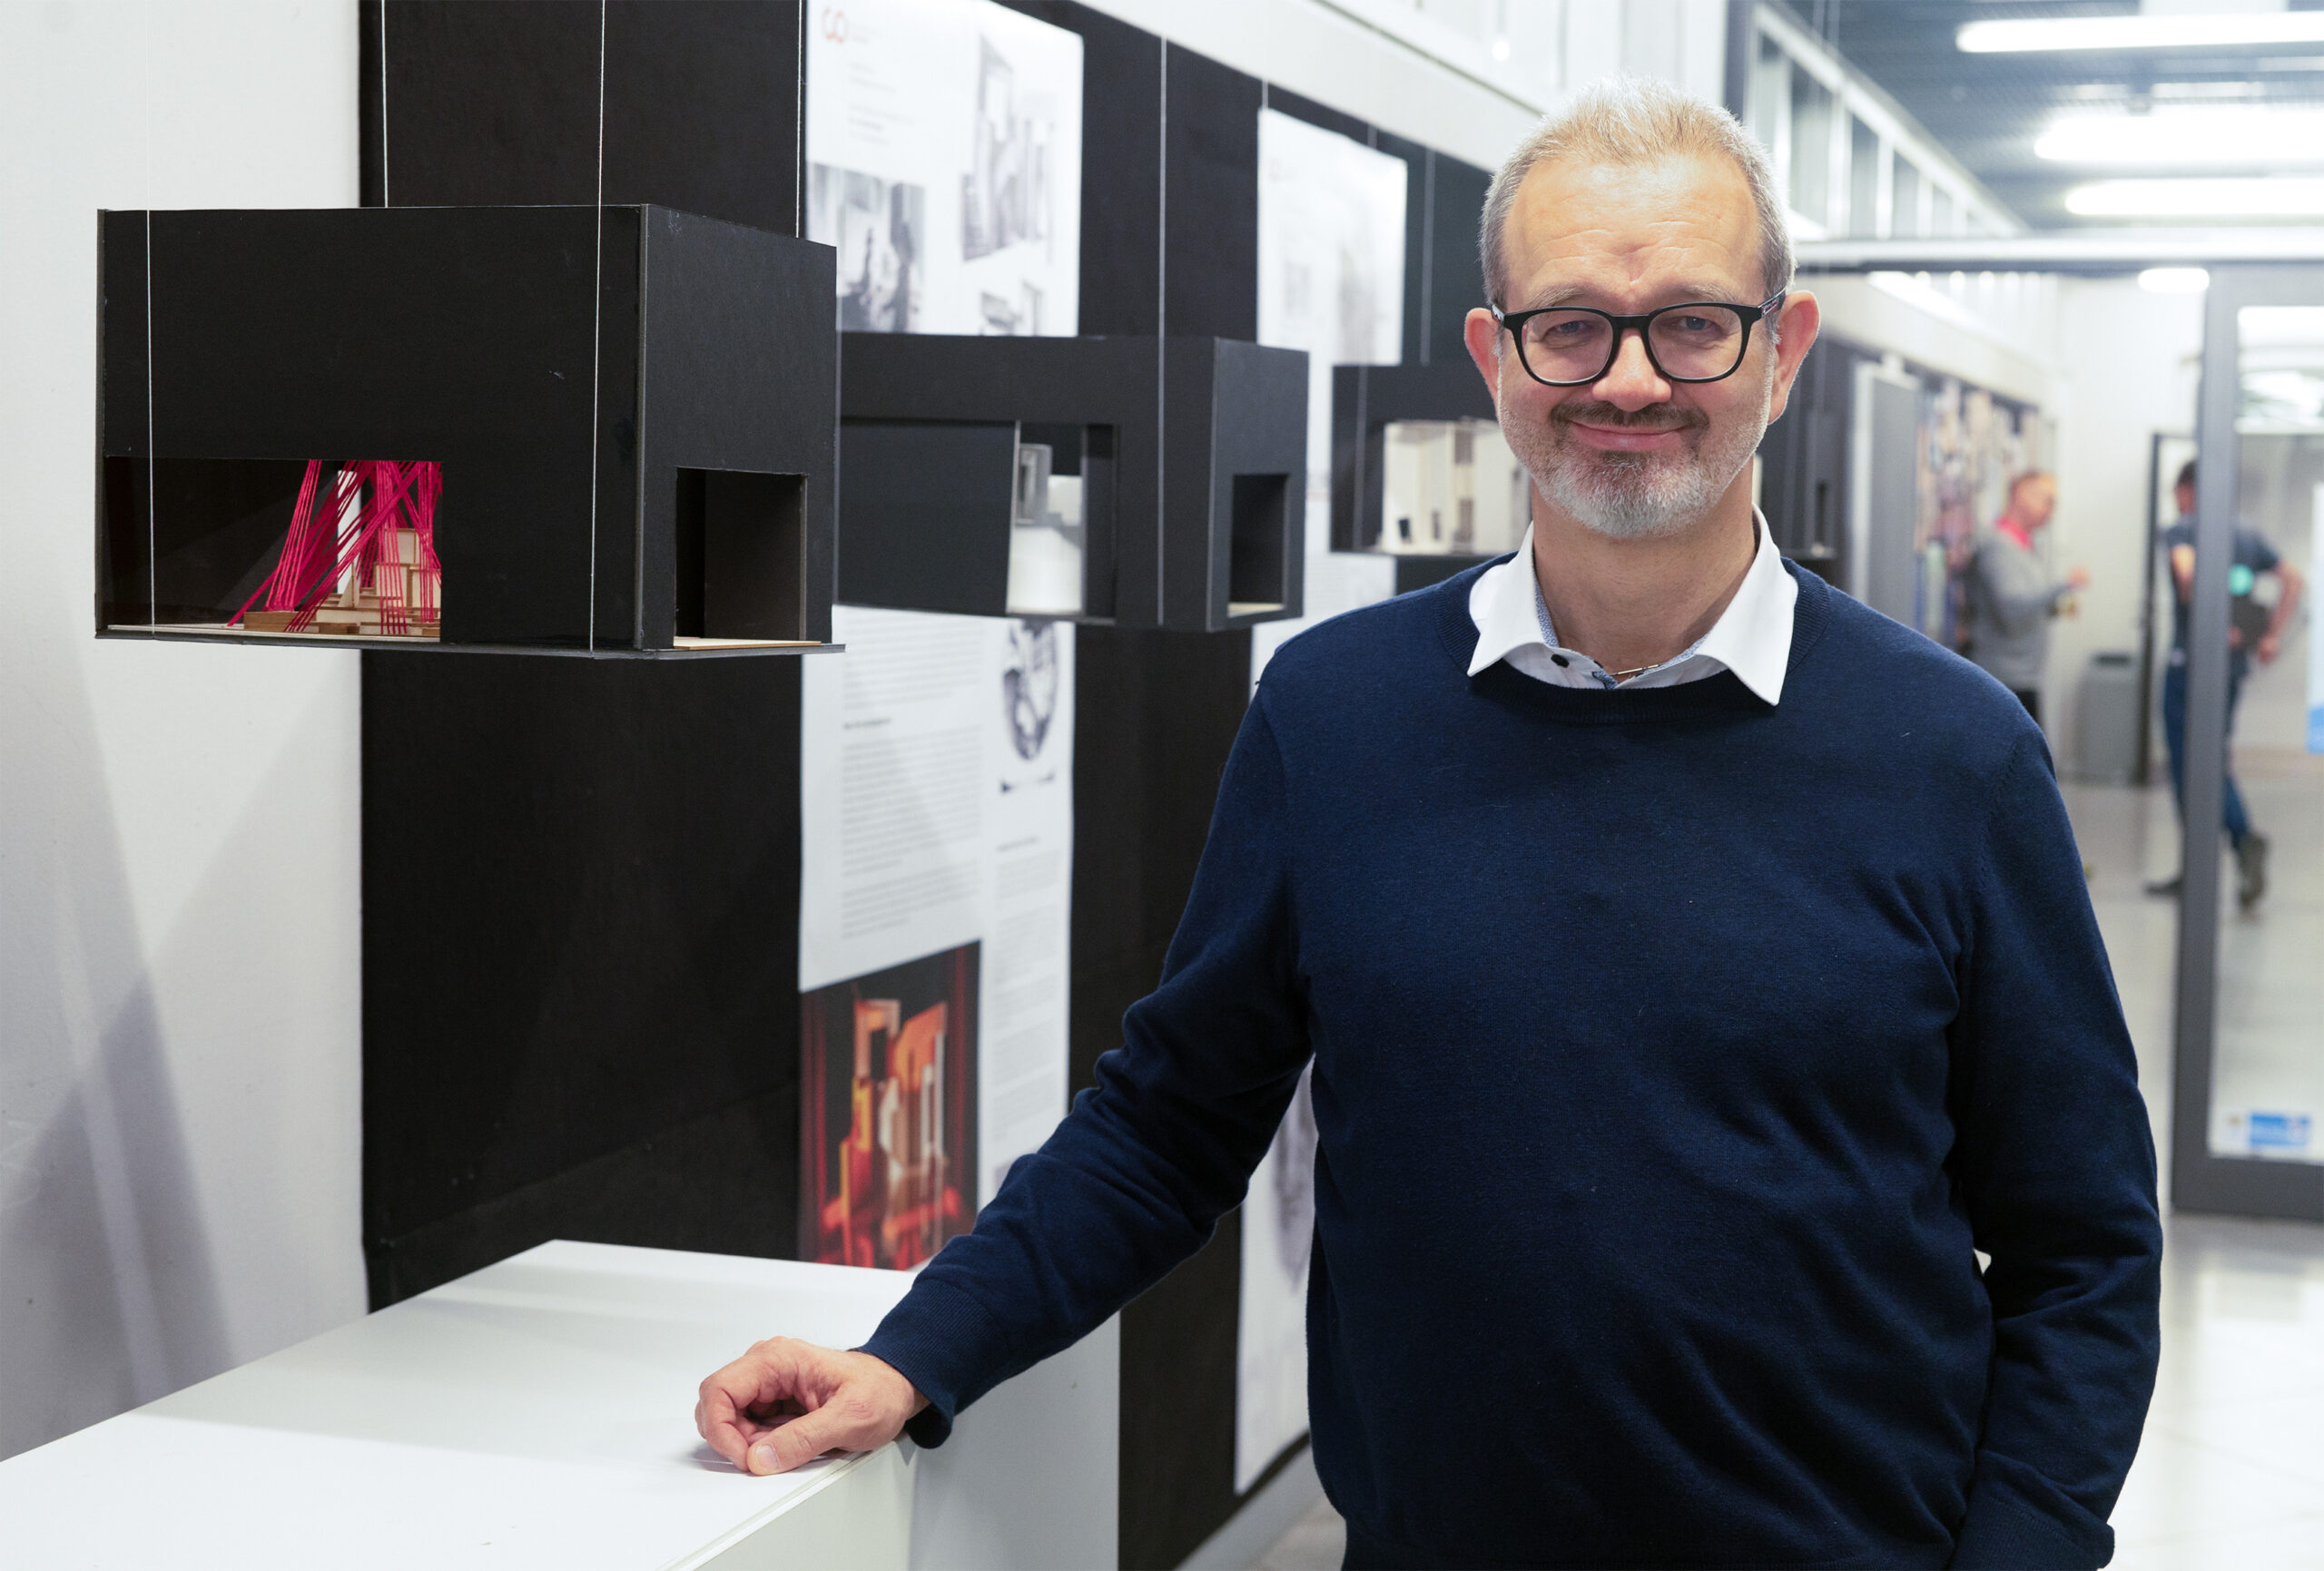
1136	1177
2056	1167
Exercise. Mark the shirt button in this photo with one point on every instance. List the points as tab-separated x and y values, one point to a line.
1559	661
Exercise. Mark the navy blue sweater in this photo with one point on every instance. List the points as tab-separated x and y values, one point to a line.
1672	1052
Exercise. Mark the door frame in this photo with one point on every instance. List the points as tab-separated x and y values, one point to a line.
2200	1179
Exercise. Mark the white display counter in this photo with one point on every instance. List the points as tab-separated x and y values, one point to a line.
540	1412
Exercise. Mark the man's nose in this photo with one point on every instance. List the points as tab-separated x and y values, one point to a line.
1632	382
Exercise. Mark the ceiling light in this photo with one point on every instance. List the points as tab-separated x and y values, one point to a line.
2199	197
2226	134
2174	280
2165	31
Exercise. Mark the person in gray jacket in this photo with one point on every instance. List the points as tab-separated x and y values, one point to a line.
2012	596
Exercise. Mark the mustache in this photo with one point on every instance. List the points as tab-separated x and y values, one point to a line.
1653	418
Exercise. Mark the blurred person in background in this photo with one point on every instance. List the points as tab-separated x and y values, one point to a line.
2012	597
2254	628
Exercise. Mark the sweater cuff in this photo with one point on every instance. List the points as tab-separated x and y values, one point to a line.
948	1346
2006	1530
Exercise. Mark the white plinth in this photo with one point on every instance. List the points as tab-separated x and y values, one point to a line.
540	1412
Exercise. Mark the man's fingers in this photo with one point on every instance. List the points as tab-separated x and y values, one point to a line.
848	1422
717	1420
736	1405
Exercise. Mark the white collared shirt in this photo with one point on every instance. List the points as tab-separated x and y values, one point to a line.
1751	638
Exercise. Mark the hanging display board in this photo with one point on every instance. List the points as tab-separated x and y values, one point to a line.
1331	282
944	163
936	816
936	809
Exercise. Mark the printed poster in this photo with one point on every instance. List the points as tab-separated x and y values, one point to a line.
1331	282
944	163
936	816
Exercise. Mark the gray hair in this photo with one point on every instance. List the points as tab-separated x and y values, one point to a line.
1632	120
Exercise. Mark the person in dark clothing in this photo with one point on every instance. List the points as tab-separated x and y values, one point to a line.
1693	972
2254	630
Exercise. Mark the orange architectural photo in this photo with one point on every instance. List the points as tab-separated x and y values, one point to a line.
889	1065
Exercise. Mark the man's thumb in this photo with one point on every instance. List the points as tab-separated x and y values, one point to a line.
801	1441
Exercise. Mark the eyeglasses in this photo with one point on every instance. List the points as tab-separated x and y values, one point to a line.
1694	341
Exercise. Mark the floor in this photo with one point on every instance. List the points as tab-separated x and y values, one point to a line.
2230	1472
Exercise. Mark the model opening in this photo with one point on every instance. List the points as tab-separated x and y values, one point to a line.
741	557
1257	561
275	547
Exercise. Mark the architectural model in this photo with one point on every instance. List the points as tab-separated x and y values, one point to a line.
361	563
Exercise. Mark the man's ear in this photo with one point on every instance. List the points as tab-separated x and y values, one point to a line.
1481	332
1800	317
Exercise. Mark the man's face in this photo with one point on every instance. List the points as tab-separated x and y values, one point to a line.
2185	497
2036	500
1631	455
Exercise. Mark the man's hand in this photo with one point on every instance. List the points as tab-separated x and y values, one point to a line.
785	1402
2270	647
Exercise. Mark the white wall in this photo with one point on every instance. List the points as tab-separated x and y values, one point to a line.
180	898
2128	371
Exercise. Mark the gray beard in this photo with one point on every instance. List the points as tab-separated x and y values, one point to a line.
1636	495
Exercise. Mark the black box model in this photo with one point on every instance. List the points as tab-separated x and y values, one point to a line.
567	429
1136	481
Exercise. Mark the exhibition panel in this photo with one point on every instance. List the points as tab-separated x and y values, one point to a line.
599	869
504	472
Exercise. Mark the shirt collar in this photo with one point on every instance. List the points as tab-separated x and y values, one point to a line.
1751	638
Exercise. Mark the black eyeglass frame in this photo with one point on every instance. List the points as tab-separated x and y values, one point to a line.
1514	323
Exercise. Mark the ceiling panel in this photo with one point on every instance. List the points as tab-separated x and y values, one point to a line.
1988	109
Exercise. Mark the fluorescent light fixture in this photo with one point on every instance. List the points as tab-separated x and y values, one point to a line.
2174	280
2224	134
2276	198
2166	31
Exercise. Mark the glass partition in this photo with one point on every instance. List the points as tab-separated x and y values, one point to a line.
1904	209
2267	1069
2243	715
1811	146
1864	181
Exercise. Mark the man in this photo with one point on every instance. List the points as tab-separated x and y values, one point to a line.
2253	628
1696	971
2011	597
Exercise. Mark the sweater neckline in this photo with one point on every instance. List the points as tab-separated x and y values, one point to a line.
1724	693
